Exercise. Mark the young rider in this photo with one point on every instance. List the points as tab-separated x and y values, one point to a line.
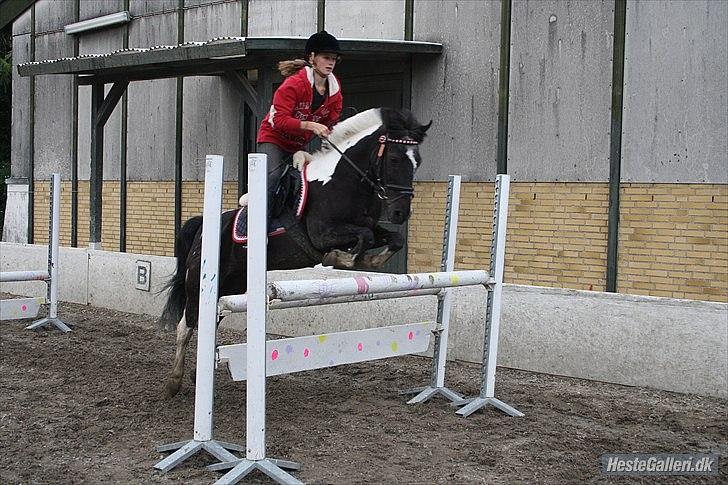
307	104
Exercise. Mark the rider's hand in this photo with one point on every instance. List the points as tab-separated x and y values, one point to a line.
322	131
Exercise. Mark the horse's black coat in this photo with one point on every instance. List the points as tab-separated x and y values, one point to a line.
340	223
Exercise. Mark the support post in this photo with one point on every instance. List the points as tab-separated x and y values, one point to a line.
207	328
54	229
257	313
444	302
493	311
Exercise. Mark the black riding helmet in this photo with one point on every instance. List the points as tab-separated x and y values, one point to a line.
322	42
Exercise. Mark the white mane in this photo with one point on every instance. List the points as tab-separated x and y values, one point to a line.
344	135
371	118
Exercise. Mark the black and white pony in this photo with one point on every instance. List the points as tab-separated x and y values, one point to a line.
346	197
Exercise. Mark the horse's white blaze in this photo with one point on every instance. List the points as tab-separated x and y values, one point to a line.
411	156
345	135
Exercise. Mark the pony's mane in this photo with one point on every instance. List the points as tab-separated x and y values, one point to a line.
366	120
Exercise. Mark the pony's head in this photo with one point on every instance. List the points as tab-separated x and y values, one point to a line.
398	158
383	143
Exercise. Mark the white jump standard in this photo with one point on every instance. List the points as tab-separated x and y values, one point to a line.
28	307
206	337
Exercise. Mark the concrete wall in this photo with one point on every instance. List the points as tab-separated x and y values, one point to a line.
458	90
282	17
675	98
19	133
210	106
101	42
374	19
676	345
151	153
560	90
54	116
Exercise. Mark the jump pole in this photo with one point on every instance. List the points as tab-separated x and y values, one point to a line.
207	330
50	276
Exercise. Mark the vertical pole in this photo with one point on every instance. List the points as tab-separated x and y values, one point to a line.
124	154
497	265
178	131
97	167
444	304
207	320
53	242
257	306
504	86
320	15
615	143
31	135
74	137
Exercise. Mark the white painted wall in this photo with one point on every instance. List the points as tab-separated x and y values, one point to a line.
676	345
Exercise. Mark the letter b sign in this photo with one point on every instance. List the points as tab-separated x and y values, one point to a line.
143	275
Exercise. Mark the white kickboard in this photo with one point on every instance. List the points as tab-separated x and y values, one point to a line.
20	308
288	355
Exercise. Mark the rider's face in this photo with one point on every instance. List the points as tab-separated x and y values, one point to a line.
324	62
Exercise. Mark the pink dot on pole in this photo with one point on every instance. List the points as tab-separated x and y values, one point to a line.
274	355
411	335
24	307
306	352
359	347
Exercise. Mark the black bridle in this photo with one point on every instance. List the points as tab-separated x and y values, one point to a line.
381	186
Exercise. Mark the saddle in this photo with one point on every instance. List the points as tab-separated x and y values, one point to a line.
287	206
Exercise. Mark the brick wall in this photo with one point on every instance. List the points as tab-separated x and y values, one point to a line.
673	238
150	213
673	241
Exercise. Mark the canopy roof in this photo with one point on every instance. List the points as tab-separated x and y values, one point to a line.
211	57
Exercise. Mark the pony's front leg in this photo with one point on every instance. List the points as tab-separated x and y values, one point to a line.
184	334
391	240
358	238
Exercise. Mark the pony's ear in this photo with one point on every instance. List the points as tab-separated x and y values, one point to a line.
422	130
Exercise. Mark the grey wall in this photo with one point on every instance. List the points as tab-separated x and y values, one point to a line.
19	134
210	105
675	115
458	90
560	90
282	17
54	117
676	93
101	42
151	152
374	19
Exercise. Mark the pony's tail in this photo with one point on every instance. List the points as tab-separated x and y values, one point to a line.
289	68
177	299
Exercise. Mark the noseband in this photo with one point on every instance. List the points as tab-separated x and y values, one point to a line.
381	186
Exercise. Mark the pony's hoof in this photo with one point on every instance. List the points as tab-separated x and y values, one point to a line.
338	259
172	388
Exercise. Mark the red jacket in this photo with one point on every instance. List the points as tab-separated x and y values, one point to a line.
292	104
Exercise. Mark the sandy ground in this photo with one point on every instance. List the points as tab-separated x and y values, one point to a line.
88	407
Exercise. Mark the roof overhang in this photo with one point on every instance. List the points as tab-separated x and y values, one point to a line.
212	57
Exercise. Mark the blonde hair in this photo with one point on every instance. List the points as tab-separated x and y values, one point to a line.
291	67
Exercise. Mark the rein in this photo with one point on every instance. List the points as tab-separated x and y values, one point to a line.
379	188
